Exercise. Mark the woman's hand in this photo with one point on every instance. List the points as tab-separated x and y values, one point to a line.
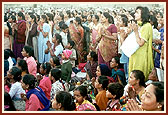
23	96
131	92
48	44
133	106
135	27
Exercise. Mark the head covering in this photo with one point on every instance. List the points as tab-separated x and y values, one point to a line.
67	53
105	70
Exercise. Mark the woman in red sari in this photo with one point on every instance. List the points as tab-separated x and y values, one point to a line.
77	35
108	40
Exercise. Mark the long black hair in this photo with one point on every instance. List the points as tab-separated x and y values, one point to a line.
139	75
145	14
66	100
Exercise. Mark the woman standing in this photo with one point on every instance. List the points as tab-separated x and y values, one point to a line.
142	59
77	35
19	36
32	40
108	45
44	29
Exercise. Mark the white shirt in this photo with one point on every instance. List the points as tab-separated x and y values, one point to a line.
58	50
15	90
64	38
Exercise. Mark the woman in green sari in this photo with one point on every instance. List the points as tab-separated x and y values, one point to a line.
142	59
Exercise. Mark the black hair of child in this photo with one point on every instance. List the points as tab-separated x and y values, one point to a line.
66	100
104	81
116	89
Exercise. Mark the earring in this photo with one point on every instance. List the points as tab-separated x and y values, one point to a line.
159	106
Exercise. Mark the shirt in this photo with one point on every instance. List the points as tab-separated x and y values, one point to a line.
45	85
15	90
58	86
33	104
64	38
32	65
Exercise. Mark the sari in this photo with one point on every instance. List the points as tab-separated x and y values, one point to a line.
76	35
107	48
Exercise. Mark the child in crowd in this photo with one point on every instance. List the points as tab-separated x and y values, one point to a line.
35	97
66	67
101	86
114	92
64	34
57	83
11	59
22	65
6	62
91	65
14	74
82	104
8	104
63	101
28	54
55	62
152	77
72	57
45	83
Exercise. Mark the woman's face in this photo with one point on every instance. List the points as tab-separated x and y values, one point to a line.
55	104
138	15
19	18
148	99
98	72
132	80
78	97
41	69
52	62
24	54
103	19
24	86
9	75
113	63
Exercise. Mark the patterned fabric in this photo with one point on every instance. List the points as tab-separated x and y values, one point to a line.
114	106
85	106
108	48
19	105
58	86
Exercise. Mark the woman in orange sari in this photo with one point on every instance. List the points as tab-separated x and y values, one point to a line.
108	40
77	35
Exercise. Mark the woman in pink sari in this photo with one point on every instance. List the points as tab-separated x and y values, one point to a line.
95	32
108	40
77	35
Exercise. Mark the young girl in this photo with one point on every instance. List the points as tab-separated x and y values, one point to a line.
55	62
82	104
58	84
114	92
63	101
22	65
35	97
91	65
55	49
28	54
45	83
101	85
66	67
14	74
72	57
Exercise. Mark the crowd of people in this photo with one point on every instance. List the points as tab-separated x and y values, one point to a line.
84	60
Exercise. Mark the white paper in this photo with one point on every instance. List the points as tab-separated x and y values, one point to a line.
130	45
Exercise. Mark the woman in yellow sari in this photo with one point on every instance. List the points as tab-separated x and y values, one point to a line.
142	59
108	40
